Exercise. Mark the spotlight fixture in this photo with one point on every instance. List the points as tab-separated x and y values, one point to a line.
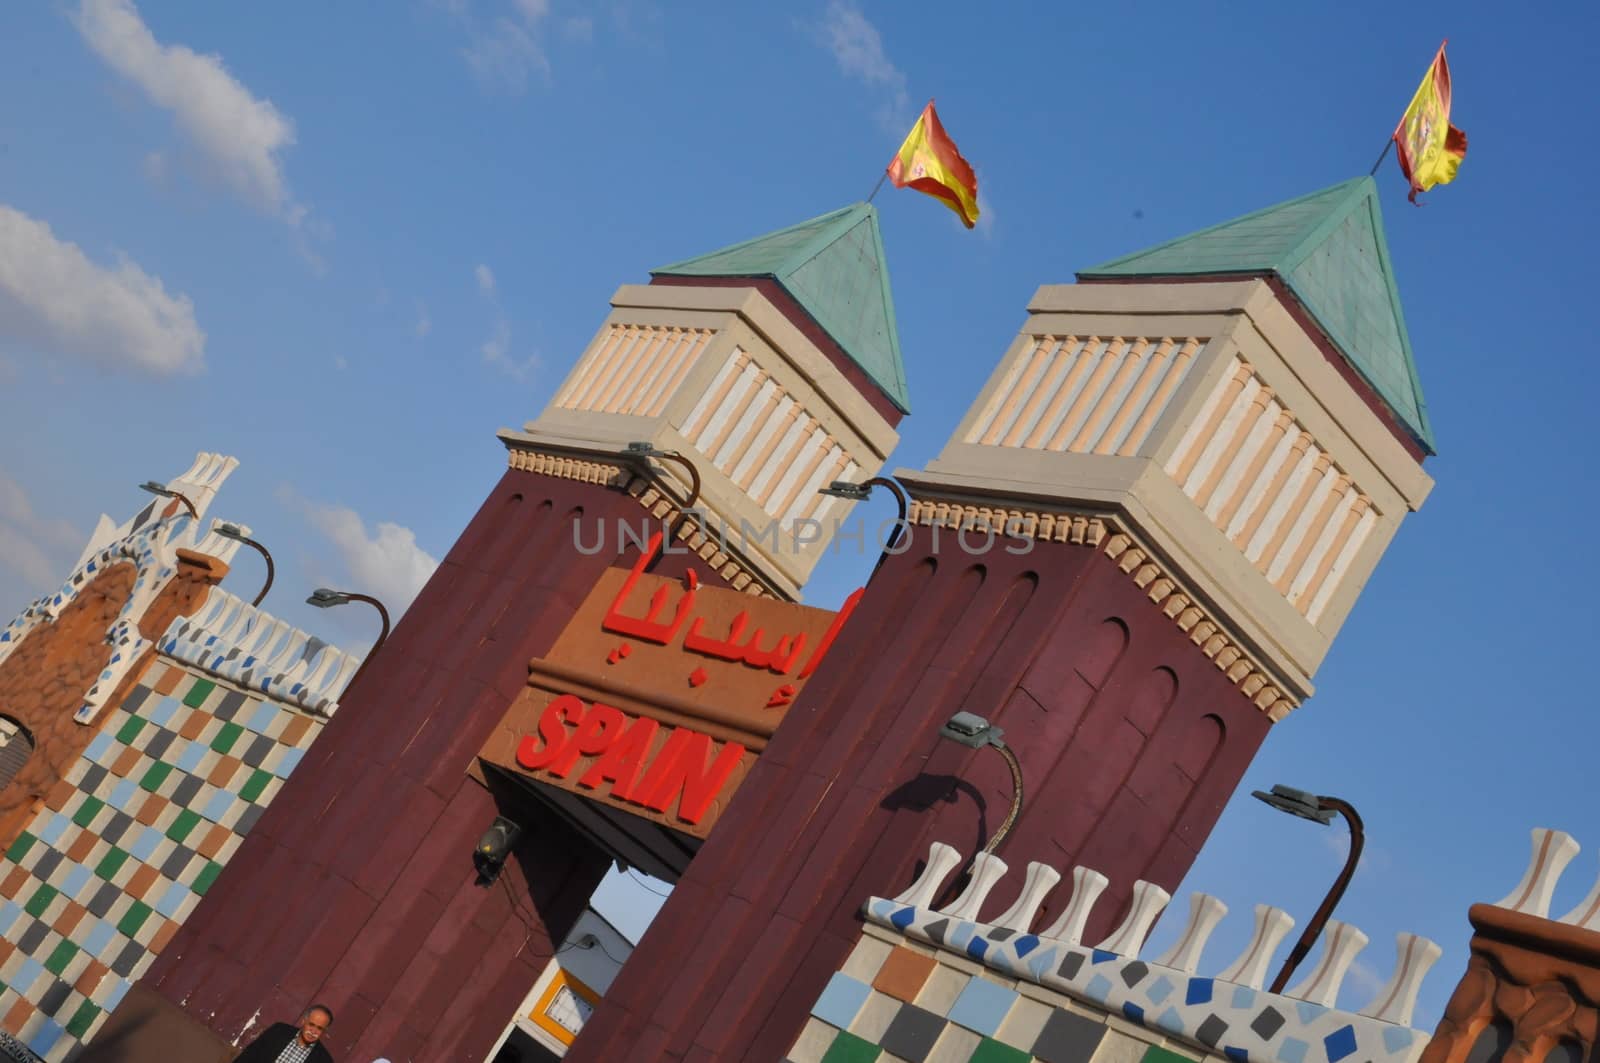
494	847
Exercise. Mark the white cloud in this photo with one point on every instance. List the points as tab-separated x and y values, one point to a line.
494	348
241	135
54	298
155	167
1365	980
1374	860
36	549
503	48
857	47
386	563
424	323
503	56
497	352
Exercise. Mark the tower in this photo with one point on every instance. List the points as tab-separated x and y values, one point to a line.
1172	489
770	368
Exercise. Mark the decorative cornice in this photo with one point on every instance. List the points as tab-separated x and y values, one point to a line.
564	467
690	534
1078	528
1103	532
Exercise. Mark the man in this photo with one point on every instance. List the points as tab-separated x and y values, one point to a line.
285	1043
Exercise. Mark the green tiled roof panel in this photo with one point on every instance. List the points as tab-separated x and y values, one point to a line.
1345	281
834	267
1249	244
1329	248
771	255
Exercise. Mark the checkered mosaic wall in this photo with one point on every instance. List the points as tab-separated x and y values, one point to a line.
896	1001
129	842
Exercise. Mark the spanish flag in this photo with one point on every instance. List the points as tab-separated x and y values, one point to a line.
1431	149
929	162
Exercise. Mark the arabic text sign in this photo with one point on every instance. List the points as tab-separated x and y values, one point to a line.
710	625
660	693
737	655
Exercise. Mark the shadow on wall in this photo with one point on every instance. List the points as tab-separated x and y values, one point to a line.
148	1028
925	791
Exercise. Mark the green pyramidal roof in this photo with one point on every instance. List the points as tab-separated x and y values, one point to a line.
834	267
1329	248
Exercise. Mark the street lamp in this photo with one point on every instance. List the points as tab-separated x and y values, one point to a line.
236	533
972	730
166	492
859	492
642	453
323	598
1322	810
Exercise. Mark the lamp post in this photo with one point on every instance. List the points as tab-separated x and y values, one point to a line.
236	533
166	492
860	492
972	730
323	598
1321	810
642	453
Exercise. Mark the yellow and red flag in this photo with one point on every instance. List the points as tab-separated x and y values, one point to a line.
929	162
1430	148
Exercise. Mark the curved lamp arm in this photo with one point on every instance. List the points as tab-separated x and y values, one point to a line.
234	532
166	492
643	452
323	598
858	492
1308	938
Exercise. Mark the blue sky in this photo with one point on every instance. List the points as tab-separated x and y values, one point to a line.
345	243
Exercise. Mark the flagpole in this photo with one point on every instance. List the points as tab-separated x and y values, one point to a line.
881	178
1386	146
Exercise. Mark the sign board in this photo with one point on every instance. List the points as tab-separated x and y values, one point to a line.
661	693
563	1007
